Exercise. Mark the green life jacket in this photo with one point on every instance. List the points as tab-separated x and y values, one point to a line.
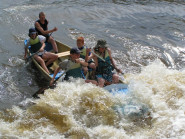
104	67
35	45
83	52
74	70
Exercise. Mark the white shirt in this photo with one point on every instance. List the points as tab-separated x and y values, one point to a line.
41	38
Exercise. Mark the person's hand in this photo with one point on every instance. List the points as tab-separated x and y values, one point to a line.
55	29
77	60
51	82
88	50
41	50
118	70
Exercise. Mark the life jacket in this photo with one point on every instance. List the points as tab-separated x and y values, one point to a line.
44	26
74	70
35	45
83	52
104	67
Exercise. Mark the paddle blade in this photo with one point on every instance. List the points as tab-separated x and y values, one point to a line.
40	91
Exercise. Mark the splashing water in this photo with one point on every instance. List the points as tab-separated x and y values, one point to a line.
76	109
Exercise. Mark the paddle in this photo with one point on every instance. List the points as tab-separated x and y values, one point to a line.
63	54
28	58
41	90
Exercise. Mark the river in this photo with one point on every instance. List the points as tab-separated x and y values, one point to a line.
147	39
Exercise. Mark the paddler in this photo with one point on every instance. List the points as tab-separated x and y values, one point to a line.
72	66
37	43
41	26
105	64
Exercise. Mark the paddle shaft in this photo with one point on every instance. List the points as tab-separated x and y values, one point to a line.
63	54
103	60
28	58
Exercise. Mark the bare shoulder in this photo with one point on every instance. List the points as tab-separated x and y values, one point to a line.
37	24
109	50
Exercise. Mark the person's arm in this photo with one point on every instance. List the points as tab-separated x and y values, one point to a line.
42	41
112	61
94	57
55	73
82	62
65	65
44	32
90	56
87	54
42	48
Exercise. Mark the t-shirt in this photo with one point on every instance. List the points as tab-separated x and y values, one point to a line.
72	69
68	64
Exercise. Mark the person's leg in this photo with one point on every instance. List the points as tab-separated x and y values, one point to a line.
101	82
49	57
92	66
85	70
41	62
53	43
91	81
115	78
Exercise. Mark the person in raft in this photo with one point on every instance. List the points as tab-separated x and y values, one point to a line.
37	43
85	53
104	69
72	66
41	26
